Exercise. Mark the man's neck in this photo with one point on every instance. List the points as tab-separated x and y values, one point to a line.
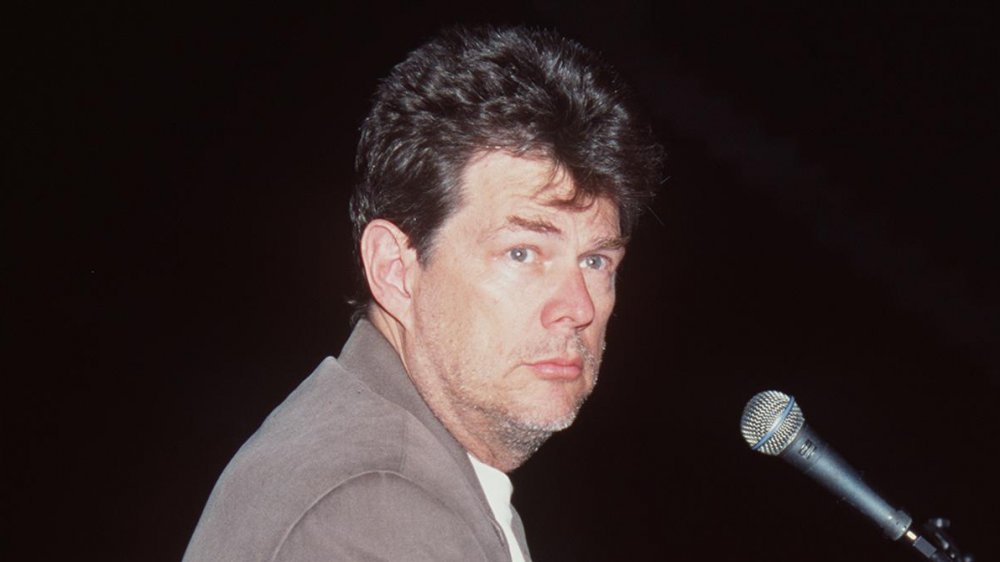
496	456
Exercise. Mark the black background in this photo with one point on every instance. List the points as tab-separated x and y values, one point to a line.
178	260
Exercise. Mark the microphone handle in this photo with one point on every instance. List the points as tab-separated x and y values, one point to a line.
812	455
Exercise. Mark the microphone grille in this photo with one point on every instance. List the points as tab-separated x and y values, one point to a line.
770	421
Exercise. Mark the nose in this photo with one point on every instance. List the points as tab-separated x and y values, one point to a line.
571	303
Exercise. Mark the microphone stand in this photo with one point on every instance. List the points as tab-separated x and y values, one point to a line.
941	547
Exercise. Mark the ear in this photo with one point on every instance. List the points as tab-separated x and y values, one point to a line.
388	261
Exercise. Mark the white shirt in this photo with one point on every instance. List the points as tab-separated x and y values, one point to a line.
498	490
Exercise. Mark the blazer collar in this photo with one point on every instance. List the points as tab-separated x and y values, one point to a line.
370	356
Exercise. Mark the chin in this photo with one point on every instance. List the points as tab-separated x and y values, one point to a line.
554	419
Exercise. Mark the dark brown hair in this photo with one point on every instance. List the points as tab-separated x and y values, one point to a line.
521	90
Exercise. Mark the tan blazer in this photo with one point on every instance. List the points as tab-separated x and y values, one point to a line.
353	465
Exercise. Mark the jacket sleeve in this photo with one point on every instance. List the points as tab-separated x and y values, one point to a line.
379	516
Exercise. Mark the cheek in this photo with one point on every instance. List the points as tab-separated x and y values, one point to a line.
439	307
473	309
602	294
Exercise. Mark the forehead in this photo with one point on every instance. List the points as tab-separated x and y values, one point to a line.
499	184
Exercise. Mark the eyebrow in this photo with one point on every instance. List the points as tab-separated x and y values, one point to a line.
535	225
543	226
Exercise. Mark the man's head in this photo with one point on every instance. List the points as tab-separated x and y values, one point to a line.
526	92
501	173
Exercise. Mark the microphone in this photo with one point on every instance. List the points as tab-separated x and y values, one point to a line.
773	424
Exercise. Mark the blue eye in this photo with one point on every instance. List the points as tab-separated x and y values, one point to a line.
521	254
595	262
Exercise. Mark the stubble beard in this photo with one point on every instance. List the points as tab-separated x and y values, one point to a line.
520	437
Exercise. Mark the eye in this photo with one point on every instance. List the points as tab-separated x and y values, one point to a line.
521	254
597	262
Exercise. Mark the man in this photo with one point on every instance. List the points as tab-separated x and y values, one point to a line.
500	174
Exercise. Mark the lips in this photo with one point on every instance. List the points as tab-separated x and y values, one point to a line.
558	368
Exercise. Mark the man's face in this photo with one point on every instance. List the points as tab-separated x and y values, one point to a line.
509	311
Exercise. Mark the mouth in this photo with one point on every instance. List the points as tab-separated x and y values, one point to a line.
558	368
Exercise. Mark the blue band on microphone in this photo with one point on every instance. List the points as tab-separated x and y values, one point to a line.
777	424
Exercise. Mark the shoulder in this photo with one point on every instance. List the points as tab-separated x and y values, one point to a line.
333	451
382	516
329	430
